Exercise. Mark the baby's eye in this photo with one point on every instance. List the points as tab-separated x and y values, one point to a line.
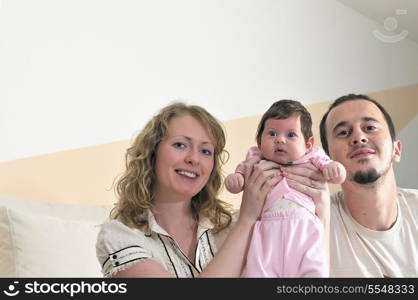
272	133
291	134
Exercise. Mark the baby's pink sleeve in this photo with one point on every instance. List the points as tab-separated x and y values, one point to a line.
252	152
320	159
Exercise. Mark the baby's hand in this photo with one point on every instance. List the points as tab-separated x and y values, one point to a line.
334	172
234	183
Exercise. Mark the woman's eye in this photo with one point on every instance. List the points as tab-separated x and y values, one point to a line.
207	152
179	145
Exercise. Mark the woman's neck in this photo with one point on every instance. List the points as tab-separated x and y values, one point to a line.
176	218
173	214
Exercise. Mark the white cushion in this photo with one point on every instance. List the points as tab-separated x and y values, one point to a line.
43	245
95	213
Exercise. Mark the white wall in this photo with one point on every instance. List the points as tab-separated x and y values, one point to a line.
407	170
75	73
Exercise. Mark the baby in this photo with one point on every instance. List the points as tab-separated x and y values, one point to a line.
287	241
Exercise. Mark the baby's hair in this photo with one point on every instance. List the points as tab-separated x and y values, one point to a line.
284	109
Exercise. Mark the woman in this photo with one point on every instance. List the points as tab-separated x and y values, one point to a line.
168	221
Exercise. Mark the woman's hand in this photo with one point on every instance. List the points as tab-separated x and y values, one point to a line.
307	179
259	180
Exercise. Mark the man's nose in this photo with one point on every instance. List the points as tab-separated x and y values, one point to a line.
358	137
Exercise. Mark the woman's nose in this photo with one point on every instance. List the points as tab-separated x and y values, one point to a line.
192	157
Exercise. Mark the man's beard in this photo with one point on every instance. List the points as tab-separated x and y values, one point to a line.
370	176
366	177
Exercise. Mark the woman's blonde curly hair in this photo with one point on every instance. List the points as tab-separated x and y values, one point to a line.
135	186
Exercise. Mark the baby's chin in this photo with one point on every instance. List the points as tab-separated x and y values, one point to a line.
284	160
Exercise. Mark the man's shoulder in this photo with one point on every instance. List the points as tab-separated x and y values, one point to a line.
408	192
337	206
411	195
337	197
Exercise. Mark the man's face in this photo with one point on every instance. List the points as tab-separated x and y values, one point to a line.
359	138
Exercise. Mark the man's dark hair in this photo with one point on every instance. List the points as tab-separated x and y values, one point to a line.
284	109
353	97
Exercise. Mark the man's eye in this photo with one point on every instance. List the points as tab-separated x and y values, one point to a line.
343	133
370	128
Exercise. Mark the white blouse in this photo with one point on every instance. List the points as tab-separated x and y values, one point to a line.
119	246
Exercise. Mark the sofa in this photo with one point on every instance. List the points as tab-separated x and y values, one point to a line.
49	240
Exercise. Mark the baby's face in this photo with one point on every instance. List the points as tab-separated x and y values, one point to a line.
282	141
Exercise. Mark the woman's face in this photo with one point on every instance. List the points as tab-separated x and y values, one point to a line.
184	159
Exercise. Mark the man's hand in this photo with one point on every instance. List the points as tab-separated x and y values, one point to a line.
307	179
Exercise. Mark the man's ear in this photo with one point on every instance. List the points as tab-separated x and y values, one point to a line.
397	150
309	144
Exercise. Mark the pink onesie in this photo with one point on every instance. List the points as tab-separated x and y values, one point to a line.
287	241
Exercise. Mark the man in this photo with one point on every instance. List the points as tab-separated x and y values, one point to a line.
374	224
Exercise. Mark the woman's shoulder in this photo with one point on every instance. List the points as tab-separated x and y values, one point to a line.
220	236
114	235
119	245
115	225
235	215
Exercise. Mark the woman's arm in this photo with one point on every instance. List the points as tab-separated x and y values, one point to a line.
230	259
144	269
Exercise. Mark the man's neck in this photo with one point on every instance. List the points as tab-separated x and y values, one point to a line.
373	206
